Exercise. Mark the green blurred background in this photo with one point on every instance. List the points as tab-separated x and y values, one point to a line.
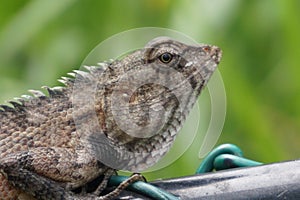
41	41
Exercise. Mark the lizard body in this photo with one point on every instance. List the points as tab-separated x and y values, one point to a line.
50	145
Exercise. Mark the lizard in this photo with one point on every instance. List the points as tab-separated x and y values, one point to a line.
122	114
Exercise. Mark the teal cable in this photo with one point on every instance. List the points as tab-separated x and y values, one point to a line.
143	188
225	156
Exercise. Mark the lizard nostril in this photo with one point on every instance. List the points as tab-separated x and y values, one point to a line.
207	49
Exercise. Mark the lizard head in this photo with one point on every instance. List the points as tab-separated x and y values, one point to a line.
148	94
157	82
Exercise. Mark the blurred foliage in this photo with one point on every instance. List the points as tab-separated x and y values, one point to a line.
42	40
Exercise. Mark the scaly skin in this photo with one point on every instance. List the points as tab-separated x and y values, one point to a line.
50	145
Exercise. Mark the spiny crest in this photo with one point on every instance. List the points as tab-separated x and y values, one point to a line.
18	104
37	93
7	108
79	75
55	91
101	67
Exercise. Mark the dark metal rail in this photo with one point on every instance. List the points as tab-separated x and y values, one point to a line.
272	181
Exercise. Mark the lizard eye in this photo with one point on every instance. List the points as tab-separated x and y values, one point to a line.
165	57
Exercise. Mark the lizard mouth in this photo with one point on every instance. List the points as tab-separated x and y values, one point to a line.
216	54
